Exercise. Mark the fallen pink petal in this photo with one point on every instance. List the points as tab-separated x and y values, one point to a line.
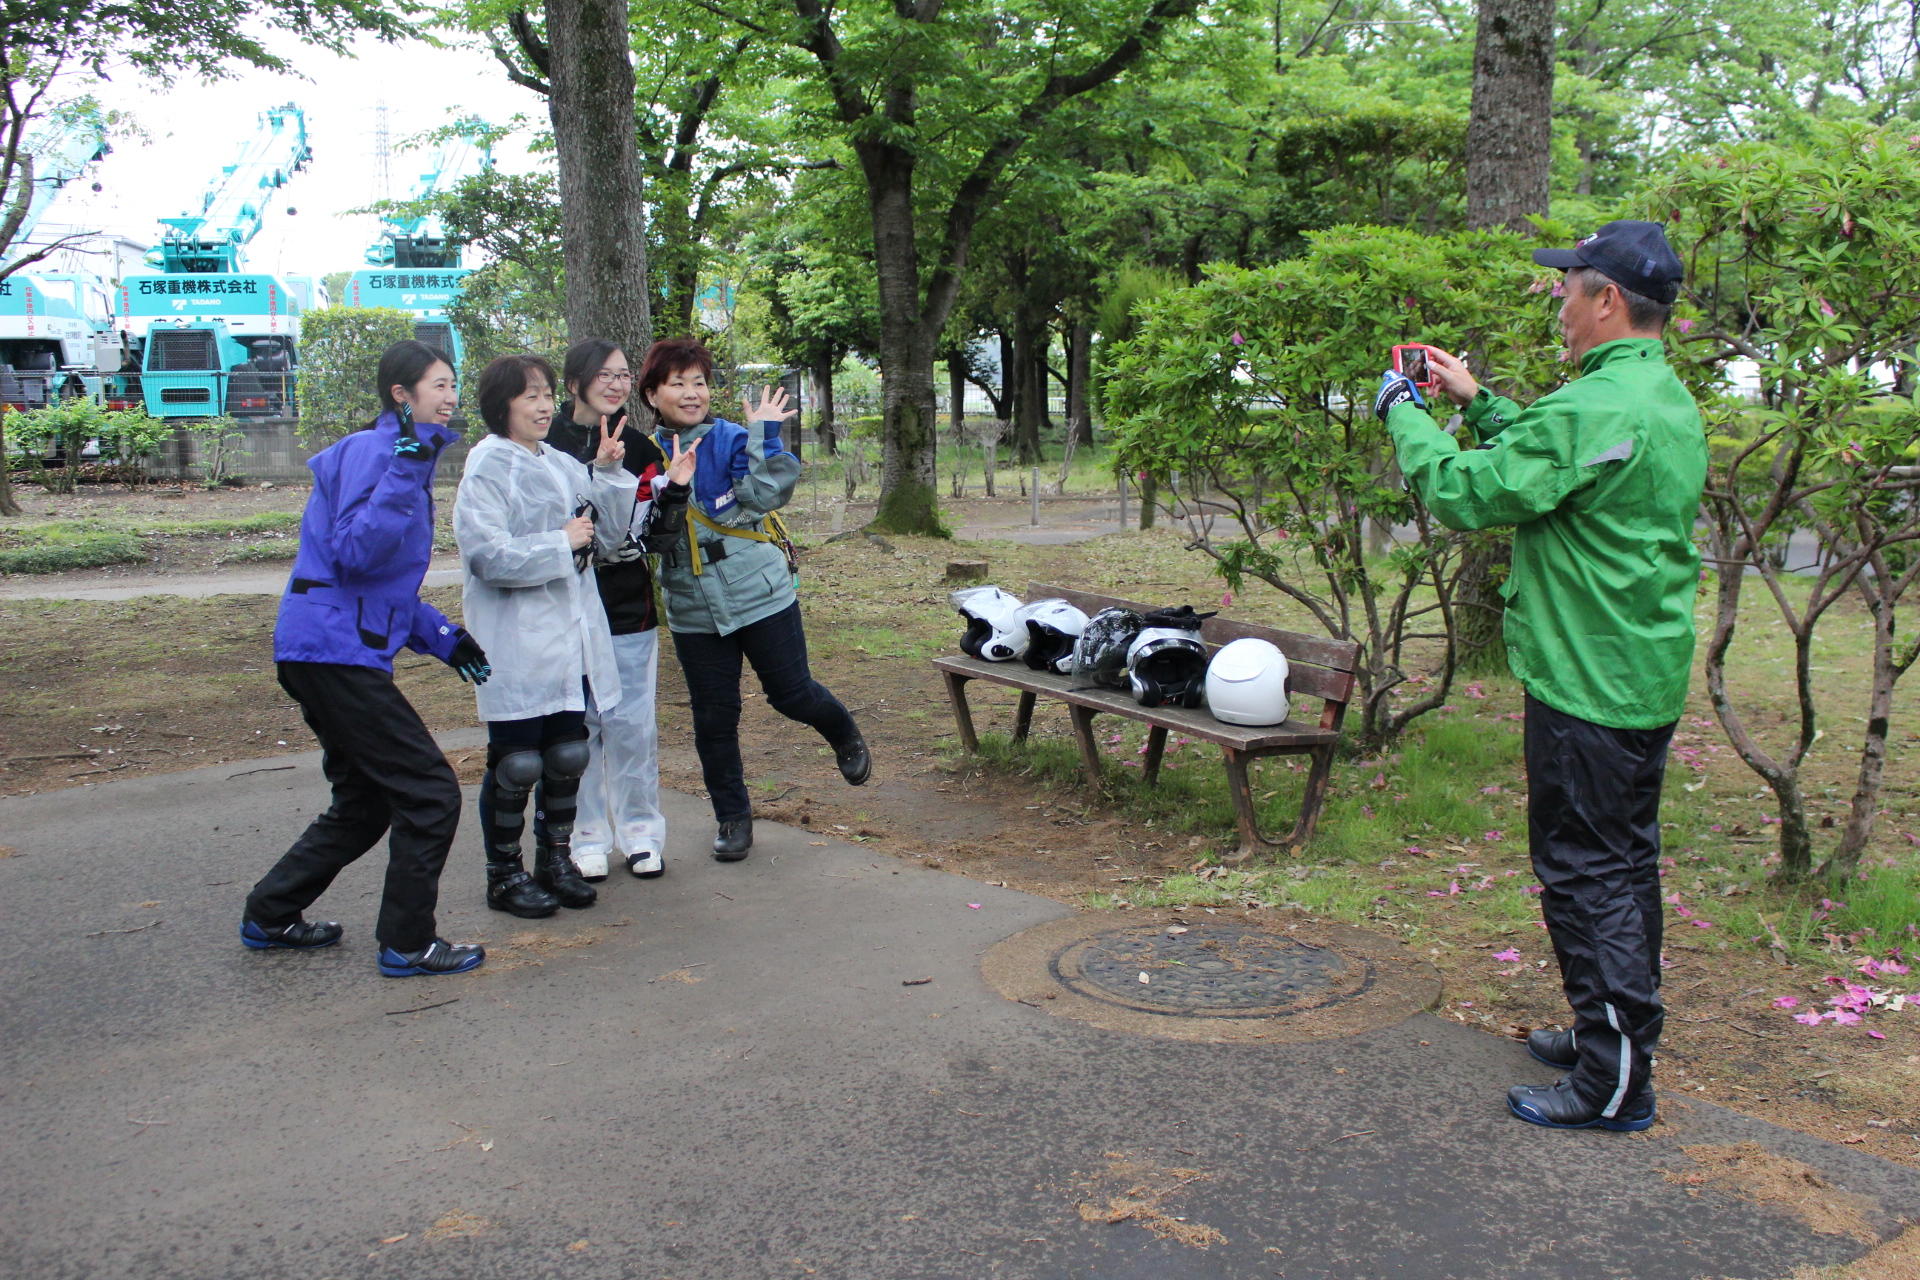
1808	1019
1510	955
1877	1035
973	906
1787	1002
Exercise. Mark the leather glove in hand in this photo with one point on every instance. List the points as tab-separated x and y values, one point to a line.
469	660
1395	388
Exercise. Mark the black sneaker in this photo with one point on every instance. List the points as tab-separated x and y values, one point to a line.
1557	1106
298	936
433	960
1555	1048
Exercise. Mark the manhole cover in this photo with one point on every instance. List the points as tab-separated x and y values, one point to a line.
1213	979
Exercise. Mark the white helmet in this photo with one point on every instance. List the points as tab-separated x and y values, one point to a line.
1052	626
1166	666
1247	683
990	626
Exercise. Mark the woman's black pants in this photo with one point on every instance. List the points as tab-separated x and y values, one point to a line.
387	773
776	647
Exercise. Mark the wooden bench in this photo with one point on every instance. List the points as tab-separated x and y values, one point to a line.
1318	669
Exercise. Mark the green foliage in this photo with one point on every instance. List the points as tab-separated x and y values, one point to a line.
68	545
1805	261
340	349
124	435
1256	386
217	443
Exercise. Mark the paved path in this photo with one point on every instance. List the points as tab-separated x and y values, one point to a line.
721	1076
229	582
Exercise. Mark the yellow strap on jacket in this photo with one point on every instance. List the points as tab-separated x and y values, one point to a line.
696	516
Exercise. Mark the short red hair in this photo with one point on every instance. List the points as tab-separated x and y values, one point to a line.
670	356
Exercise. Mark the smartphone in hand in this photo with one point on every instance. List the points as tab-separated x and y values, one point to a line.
1411	360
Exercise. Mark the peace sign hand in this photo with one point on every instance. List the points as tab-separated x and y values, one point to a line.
613	450
680	466
773	407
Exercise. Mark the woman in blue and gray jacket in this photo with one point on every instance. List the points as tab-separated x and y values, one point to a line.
729	580
352	603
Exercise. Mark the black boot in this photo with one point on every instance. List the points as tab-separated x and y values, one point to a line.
1560	1106
553	868
855	762
1555	1048
735	837
511	889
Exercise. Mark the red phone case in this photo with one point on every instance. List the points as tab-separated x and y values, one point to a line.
1428	383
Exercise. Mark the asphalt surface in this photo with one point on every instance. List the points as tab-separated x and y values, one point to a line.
720	1075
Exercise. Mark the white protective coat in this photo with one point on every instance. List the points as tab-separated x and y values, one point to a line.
539	619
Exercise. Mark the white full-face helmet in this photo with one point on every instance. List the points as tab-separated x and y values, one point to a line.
1247	683
1166	667
991	630
1052	625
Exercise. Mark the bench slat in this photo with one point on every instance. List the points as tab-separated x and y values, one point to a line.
1196	723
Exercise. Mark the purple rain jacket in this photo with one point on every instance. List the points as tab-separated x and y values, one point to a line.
365	542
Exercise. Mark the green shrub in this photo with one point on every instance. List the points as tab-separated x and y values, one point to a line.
339	351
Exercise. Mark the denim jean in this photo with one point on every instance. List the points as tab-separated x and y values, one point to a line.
776	647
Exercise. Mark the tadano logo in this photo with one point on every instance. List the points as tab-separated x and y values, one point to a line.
407	298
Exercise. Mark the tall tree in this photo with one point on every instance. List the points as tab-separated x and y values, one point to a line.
585	71
931	96
1510	124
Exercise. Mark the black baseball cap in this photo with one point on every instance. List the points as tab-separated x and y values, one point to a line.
1634	255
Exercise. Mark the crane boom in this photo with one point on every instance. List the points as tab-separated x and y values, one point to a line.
420	240
234	206
57	151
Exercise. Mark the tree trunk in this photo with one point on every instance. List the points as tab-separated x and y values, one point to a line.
909	502
1510	122
603	226
1845	859
1028	380
9	505
1079	376
823	424
957	396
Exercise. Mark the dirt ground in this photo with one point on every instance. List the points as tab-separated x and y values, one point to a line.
94	691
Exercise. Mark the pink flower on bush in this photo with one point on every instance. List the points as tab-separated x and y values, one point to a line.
1684	326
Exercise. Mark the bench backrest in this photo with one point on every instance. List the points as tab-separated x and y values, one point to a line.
1316	666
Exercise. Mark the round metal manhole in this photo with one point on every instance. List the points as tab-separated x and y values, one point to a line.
1213	979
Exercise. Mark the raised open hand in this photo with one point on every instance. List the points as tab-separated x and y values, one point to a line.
680	465
775	406
613	450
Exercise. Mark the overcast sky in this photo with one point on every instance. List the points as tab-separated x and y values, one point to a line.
195	127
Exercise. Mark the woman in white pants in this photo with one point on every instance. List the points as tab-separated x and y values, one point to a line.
620	818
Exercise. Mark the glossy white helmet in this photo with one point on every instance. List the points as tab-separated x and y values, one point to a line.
1247	683
1166	666
989	613
1052	626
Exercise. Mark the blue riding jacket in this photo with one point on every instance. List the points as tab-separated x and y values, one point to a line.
365	542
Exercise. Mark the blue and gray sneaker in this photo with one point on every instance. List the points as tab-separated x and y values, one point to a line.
1558	1106
299	935
433	960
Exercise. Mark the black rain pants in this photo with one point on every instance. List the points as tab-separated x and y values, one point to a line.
1593	827
386	771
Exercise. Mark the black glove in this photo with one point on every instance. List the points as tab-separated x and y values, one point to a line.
469	660
1395	388
409	445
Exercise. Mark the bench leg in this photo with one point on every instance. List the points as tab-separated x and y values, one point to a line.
1156	747
1315	795
1082	718
1023	716
962	714
1240	790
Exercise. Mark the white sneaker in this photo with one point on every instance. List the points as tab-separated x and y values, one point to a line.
646	864
592	866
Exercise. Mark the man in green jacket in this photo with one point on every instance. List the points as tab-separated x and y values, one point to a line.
1601	481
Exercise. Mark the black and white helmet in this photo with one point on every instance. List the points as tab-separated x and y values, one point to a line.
991	629
1166	666
1100	654
1052	627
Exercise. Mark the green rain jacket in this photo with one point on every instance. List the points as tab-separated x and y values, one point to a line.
1602	482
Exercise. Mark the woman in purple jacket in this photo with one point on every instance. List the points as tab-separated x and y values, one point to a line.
353	601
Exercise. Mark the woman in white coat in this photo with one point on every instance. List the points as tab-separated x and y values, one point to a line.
527	520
